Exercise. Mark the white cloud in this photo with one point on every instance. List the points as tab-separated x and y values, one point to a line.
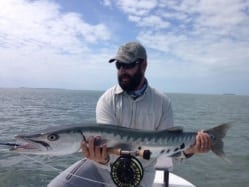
137	7
221	55
42	46
42	24
224	18
208	35
107	3
187	39
153	21
135	19
221	15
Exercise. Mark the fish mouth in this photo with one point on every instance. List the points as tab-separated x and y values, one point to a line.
29	145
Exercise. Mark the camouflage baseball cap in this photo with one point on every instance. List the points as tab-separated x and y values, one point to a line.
130	52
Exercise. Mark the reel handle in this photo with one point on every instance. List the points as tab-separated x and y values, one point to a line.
145	154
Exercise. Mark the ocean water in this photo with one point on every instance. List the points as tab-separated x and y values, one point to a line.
26	110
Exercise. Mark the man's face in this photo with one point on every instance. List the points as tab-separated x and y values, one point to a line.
130	79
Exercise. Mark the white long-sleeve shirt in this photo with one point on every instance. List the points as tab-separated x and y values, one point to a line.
151	111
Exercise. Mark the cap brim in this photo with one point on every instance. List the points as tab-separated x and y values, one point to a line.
112	60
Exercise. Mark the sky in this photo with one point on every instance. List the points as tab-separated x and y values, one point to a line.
193	46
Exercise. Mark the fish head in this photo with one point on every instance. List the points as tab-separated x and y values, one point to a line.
50	143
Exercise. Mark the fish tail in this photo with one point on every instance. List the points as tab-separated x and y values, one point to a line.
217	134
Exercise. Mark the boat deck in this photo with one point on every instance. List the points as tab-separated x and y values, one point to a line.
173	181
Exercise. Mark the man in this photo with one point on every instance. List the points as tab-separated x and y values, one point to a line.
134	104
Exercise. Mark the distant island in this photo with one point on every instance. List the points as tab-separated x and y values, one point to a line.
229	94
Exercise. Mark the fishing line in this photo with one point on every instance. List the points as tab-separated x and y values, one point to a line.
4	146
8	144
42	163
70	173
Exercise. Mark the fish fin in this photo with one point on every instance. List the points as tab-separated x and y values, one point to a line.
177	129
217	134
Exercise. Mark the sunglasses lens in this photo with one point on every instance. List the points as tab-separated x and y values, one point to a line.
126	66
118	65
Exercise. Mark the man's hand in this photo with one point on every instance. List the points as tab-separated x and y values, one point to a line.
202	144
93	152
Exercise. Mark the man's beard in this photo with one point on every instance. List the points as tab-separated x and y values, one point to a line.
132	82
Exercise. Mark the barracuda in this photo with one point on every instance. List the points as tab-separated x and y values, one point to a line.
67	140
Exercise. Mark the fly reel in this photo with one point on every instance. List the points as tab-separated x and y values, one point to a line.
127	171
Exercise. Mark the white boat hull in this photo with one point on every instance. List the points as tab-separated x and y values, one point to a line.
174	180
63	177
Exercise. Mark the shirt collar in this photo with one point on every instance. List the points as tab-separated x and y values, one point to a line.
118	90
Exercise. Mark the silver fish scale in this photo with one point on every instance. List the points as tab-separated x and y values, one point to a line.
128	135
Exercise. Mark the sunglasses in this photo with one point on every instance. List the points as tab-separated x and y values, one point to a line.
128	65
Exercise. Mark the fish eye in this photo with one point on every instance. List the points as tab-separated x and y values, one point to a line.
52	137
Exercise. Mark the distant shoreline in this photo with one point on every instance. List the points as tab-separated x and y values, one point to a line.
167	92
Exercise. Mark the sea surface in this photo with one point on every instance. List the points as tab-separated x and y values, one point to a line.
24	110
